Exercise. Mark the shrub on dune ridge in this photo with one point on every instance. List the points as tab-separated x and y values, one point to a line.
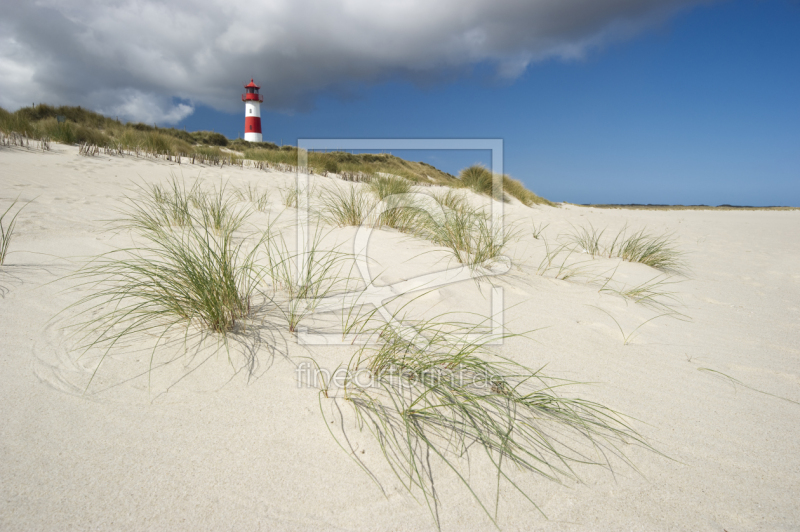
288	157
243	145
517	189
210	138
156	142
368	164
88	127
159	143
331	167
207	151
63	132
77	115
68	133
478	178
16	123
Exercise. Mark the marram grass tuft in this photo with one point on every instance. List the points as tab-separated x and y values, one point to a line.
437	398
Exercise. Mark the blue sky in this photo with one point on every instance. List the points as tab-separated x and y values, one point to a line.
703	108
597	101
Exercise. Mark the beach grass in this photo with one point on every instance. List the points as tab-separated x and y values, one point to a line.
455	230
588	240
218	210
452	199
292	196
628	337
481	181
655	293
190	274
349	205
516	189
259	198
657	251
558	262
470	234
402	213
478	178
436	397
401	209
7	226
162	205
537	230
385	186
301	278
75	125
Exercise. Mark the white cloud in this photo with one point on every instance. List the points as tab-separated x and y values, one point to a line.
133	57
148	108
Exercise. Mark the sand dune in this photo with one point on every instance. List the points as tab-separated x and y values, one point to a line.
210	440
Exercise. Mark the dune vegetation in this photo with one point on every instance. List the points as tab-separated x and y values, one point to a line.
481	181
437	389
189	268
437	393
439	398
354	166
7	226
75	125
446	219
656	251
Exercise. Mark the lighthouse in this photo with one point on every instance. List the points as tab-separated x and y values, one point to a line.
252	112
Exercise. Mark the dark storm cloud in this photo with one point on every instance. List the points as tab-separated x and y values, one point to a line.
134	58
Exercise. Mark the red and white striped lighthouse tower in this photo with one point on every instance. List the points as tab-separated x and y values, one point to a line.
252	112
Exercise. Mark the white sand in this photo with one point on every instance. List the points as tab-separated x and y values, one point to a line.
235	452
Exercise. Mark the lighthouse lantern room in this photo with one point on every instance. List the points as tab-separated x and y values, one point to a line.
252	112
